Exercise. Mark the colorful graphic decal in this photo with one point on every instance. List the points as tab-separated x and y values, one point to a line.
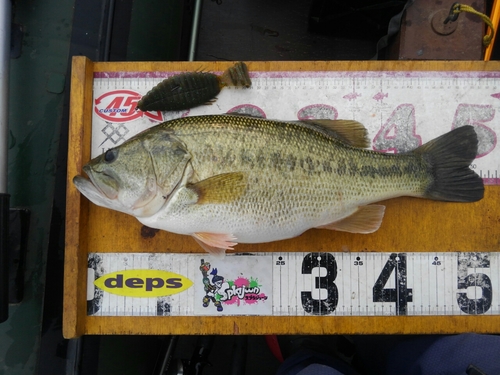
120	106
222	292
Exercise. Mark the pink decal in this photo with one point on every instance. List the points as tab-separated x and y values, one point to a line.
398	133
248	109
243	290
351	96
491	181
318	111
317	74
476	115
379	96
241	282
121	106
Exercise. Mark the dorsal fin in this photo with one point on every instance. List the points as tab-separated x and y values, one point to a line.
250	115
350	132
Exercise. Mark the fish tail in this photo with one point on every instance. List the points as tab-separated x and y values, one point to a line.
236	75
449	157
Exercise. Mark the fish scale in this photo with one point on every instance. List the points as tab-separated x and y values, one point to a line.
226	179
287	140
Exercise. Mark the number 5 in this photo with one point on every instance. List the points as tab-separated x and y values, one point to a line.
474	306
477	115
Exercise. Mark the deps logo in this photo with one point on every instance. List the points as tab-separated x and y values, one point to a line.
143	283
120	106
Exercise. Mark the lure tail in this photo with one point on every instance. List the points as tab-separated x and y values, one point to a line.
236	75
449	158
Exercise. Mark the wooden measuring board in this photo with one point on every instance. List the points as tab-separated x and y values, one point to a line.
402	104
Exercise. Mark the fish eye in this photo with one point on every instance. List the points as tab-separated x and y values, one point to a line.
110	155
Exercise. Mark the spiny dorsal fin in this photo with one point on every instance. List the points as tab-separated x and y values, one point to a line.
350	132
367	219
223	188
250	115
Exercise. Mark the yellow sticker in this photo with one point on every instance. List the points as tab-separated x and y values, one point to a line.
143	283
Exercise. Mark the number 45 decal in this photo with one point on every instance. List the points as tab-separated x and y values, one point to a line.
399	133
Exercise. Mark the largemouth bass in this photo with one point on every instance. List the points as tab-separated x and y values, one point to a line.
228	179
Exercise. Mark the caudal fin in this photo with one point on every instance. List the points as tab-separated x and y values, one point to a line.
236	75
449	157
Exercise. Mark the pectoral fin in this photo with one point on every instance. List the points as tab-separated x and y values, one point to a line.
215	243
223	188
367	219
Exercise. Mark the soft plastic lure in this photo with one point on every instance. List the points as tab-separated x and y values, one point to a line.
188	90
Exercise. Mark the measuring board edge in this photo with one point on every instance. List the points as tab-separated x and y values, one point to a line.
75	321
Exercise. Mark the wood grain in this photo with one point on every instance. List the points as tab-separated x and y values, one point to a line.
77	215
410	225
290	325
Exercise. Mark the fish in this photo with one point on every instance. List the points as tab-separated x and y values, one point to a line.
191	89
229	179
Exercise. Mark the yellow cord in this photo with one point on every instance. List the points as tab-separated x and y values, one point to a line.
458	8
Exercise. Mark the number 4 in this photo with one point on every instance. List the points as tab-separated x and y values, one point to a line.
398	134
401	294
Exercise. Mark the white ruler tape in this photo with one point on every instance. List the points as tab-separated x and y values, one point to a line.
401	110
294	284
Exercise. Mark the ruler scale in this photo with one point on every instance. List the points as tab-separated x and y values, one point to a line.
401	110
296	284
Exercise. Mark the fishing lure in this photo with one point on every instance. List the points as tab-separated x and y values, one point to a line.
188	90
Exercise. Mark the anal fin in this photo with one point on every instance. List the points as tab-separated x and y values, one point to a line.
367	219
215	243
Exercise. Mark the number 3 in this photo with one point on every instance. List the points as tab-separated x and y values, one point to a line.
327	305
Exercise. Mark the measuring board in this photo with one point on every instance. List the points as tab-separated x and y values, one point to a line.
447	250
401	110
293	284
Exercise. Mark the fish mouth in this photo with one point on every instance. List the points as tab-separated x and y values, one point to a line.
104	182
87	188
96	196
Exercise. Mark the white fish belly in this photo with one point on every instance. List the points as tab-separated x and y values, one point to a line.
254	220
247	228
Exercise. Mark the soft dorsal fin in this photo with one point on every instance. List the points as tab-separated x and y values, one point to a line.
367	219
350	132
222	188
